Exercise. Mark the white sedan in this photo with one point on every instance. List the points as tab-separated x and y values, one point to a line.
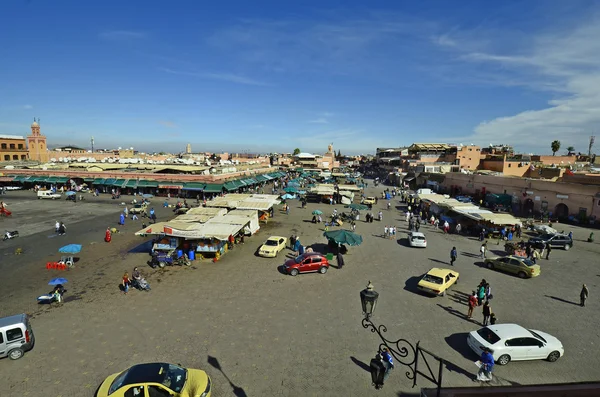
511	342
417	239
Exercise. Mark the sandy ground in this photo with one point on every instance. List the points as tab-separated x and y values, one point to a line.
271	334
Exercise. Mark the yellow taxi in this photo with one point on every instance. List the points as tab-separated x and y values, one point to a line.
272	246
156	379
369	200
437	281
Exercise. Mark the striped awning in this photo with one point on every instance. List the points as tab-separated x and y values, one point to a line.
132	183
98	181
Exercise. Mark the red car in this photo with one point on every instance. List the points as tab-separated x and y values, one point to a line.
306	263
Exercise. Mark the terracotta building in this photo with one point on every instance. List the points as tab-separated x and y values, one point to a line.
36	142
12	148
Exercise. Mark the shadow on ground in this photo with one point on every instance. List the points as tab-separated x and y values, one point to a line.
237	391
556	298
458	342
439	261
361	364
143	248
411	285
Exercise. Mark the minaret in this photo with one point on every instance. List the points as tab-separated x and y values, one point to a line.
36	143
188	148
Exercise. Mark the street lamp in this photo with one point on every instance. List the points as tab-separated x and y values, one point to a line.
368	299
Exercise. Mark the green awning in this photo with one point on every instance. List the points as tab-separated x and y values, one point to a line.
230	186
52	179
62	179
119	182
132	183
109	181
144	183
41	179
262	178
98	181
88	179
213	188
250	181
20	178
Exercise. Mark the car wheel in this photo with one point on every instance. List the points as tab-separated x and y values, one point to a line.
15	354
323	269
567	247
162	264
490	265
521	275
504	359
552	357
294	272
443	293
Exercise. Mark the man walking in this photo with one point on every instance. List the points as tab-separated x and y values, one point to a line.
388	362
548	249
483	249
453	256
583	295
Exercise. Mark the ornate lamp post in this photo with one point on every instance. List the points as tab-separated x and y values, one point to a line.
368	299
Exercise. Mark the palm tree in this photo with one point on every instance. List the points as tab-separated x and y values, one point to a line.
555	145
296	151
570	150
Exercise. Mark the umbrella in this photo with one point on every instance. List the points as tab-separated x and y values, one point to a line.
288	196
70	193
317	212
290	189
147	196
359	207
342	236
70	249
58	280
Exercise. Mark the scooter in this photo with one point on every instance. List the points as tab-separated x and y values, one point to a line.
8	235
141	284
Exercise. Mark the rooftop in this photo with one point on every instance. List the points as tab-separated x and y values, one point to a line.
11	137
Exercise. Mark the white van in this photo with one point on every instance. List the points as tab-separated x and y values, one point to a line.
48	194
16	336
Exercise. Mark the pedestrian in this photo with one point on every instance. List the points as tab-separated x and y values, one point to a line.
386	231
493	319
518	230
340	260
487	311
453	256
548	249
107	235
418	224
126	283
388	362
121	219
57	226
393	236
458	228
446	227
583	295
353	226
292	241
571	235
535	255
483	249
62	229
287	209
487	365
488	292
134	217
481	292
472	304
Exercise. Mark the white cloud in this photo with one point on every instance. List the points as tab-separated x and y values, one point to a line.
320	120
566	64
228	77
27	107
122	35
167	123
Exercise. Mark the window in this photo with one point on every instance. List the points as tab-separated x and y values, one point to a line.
20	146
316	259
135	391
4	146
488	335
157	391
6	157
516	342
1	338
14	334
12	145
15	156
23	157
509	165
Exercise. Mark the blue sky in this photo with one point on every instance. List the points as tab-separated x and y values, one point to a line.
269	76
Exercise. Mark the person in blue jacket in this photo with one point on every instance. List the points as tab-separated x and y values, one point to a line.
487	364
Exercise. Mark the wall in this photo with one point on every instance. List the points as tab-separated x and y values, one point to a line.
548	160
17	152
469	157
573	195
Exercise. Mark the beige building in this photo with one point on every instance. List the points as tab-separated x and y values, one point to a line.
12	148
36	142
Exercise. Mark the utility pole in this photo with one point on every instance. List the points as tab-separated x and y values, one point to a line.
92	140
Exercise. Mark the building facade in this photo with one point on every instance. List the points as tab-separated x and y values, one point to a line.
12	148
36	143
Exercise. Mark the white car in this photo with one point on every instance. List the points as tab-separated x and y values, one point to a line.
511	342
417	239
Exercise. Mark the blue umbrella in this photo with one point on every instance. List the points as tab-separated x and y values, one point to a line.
287	196
58	280
70	193
70	249
147	196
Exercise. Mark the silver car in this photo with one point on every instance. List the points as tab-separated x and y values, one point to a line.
16	336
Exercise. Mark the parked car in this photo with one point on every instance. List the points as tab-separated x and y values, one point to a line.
556	240
511	342
138	209
464	199
417	239
16	336
543	229
369	200
48	194
437	281
306	263
518	265
272	246
157	379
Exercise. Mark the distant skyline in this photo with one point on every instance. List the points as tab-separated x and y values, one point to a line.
270	76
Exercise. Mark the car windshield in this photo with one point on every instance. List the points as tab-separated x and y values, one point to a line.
169	375
547	236
526	262
271	243
433	279
537	336
488	335
299	259
418	238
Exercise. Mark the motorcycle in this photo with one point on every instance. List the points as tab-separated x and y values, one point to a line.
162	259
9	235
140	284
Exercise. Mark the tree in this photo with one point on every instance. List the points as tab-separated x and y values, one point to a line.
570	150
296	151
339	155
555	145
